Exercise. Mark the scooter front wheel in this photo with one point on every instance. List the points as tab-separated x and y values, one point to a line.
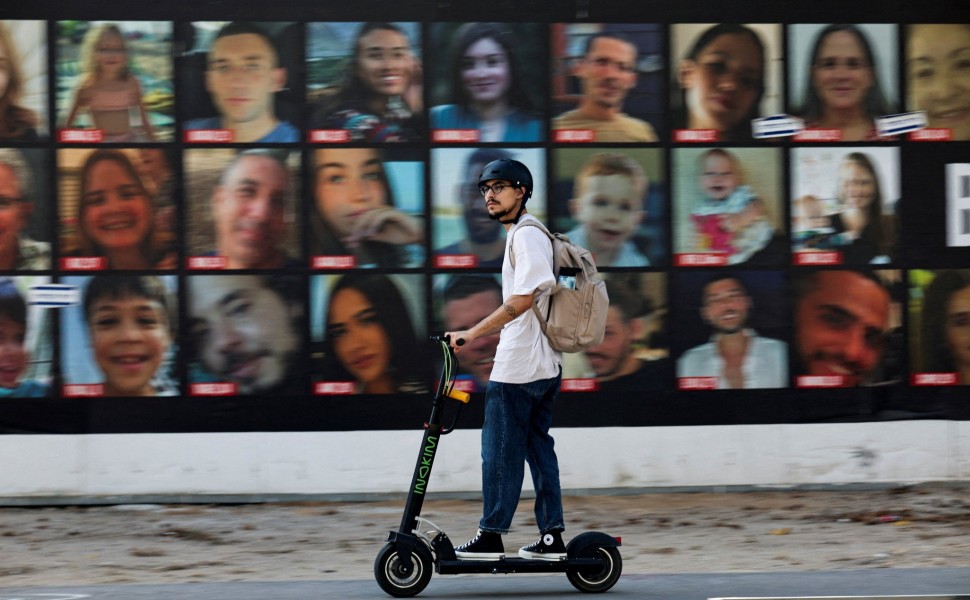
393	580
600	578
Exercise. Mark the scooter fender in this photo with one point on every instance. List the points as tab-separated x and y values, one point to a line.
585	544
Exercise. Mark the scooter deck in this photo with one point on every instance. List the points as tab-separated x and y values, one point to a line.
514	565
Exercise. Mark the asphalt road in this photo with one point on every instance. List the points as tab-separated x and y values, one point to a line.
900	584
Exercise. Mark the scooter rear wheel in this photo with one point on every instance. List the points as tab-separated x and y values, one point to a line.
391	578
597	579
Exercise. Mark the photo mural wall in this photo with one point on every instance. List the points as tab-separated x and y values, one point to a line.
254	225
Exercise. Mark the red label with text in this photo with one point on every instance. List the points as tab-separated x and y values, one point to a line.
218	388
820	381
455	261
328	136
700	259
455	135
83	390
817	258
573	136
580	385
935	134
334	388
84	263
696	135
208	262
934	379
341	261
208	136
819	135
80	136
697	383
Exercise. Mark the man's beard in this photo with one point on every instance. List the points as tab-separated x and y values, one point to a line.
616	366
498	215
728	330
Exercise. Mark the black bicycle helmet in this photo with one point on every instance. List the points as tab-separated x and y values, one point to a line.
509	170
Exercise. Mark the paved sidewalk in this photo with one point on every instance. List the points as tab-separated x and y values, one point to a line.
662	533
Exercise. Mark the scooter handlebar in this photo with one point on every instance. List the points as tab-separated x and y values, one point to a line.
447	339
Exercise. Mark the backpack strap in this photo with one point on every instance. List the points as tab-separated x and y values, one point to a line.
541	227
555	287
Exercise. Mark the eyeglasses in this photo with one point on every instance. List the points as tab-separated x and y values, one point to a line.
496	188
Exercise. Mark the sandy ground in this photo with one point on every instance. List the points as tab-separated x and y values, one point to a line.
923	526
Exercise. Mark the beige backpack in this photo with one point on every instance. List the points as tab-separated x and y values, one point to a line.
578	304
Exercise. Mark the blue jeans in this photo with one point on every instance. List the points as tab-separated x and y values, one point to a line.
516	431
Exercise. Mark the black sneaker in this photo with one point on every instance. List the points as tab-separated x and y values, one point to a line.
548	547
486	545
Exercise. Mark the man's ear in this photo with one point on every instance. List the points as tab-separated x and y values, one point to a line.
633	80
279	79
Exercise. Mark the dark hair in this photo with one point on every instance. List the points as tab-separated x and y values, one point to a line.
352	89
518	94
721	276
804	283
875	102
149	246
742	130
872	235
626	295
118	287
277	155
12	303
170	155
935	356
463	286
406	363
326	242
248	27
612	35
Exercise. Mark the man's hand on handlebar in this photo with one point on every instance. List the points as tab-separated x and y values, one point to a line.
458	338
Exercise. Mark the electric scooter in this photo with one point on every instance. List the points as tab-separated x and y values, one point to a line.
404	565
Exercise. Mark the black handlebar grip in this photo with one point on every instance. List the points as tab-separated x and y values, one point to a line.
460	342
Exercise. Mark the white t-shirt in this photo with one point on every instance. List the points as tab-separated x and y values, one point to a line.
765	365
523	353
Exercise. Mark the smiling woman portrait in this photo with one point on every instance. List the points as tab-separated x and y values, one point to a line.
370	338
379	98
945	339
485	87
843	89
722	80
938	72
